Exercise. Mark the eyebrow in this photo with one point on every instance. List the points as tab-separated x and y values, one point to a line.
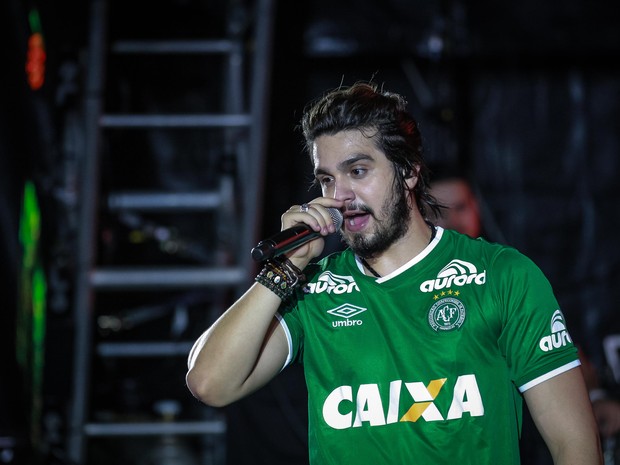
343	165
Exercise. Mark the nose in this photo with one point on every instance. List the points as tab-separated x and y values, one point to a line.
343	190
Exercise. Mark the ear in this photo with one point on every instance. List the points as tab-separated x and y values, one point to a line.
411	177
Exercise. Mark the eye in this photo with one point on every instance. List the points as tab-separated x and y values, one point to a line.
324	181
358	172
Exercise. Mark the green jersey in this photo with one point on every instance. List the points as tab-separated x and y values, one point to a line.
425	365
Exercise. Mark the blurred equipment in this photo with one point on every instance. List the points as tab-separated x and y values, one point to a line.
173	142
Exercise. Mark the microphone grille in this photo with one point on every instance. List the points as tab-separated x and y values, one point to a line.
337	217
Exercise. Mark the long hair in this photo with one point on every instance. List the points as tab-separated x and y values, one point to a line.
383	116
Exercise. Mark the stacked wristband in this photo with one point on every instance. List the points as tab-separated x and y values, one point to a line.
280	276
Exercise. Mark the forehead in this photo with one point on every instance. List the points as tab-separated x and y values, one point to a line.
332	149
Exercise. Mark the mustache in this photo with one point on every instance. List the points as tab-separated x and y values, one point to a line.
361	208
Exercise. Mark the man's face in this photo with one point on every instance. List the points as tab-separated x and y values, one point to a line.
350	167
462	214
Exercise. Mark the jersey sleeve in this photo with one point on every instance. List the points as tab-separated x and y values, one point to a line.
289	317
293	315
534	337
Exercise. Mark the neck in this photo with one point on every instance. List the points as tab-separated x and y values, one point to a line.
402	251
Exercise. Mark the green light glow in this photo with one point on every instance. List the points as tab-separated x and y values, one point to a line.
34	20
30	338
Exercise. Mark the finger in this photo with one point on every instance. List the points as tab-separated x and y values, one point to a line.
304	213
327	216
315	215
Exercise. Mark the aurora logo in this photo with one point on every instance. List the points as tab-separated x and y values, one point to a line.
332	283
457	273
559	336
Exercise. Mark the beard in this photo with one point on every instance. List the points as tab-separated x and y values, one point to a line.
396	213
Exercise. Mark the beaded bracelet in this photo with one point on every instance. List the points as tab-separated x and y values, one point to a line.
281	277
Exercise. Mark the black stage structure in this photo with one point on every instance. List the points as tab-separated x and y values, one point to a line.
146	146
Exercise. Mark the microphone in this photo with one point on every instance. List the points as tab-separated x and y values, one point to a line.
291	238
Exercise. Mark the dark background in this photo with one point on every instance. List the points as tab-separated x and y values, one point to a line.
522	96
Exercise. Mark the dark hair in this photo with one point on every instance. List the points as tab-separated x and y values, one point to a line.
362	106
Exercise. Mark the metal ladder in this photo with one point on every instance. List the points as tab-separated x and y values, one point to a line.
243	122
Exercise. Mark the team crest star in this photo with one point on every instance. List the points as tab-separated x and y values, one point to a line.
435	297
457	292
450	292
443	293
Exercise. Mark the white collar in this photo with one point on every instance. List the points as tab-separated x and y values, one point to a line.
418	258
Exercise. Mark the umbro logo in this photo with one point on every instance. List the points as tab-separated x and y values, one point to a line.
346	312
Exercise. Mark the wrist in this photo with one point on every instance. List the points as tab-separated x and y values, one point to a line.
281	276
299	263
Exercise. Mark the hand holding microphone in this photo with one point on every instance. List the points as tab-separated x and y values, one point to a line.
293	237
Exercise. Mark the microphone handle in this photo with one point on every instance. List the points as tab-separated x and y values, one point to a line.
291	238
283	241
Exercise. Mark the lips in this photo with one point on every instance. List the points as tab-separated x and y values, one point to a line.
356	222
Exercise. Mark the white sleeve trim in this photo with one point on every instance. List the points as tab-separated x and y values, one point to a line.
549	375
289	340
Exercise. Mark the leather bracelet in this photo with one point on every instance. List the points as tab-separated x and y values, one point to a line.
281	277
